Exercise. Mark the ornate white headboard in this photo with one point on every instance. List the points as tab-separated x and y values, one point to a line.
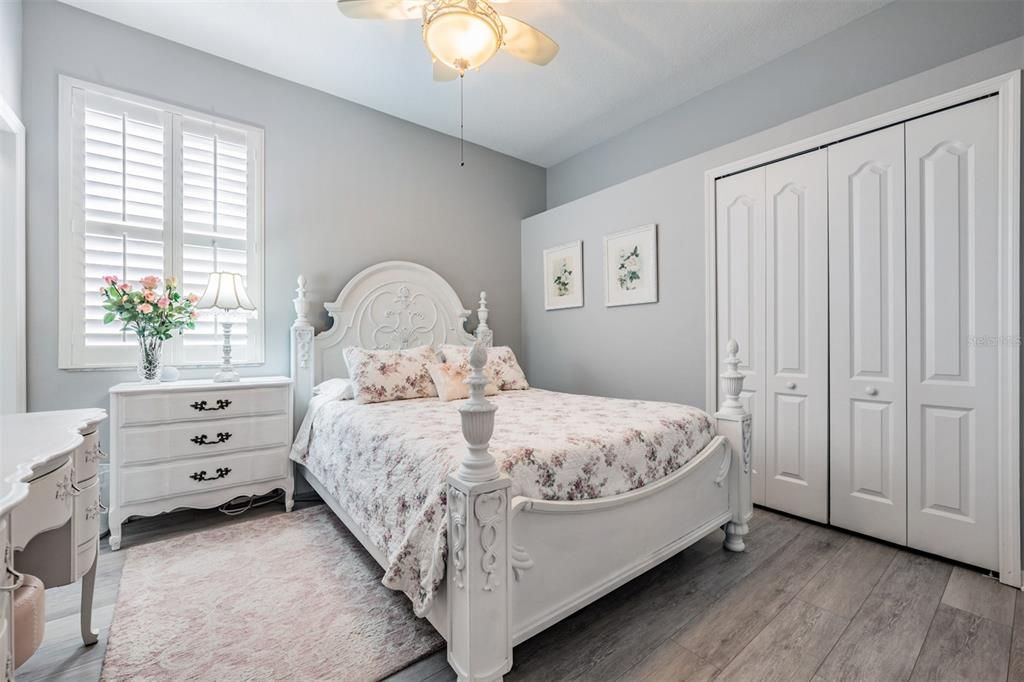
395	304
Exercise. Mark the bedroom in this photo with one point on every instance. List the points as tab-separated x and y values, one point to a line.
286	140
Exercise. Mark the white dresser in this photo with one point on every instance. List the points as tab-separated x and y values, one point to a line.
197	444
49	508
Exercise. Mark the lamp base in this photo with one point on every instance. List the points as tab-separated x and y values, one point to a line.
226	375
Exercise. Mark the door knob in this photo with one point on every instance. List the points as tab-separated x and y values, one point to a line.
871	390
791	385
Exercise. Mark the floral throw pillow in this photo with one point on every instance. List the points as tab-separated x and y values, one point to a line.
382	375
450	381
501	364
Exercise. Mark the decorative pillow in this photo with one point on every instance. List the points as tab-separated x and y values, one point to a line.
338	389
450	381
382	375
501	364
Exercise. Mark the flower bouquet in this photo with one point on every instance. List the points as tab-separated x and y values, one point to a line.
152	313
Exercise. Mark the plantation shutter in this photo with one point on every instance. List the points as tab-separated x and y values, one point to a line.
215	223
122	170
149	189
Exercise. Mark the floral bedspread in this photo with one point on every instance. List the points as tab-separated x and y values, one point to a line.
387	463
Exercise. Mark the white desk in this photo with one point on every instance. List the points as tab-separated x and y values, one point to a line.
49	508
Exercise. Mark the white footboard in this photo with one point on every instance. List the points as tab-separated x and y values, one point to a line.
517	566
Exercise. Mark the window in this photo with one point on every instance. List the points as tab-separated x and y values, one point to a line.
148	188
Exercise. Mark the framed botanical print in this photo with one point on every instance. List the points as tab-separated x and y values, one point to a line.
631	266
563	276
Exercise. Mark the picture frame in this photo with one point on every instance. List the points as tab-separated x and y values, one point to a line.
563	276
631	266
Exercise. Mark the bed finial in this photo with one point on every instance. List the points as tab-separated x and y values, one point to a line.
478	422
732	381
483	332
301	302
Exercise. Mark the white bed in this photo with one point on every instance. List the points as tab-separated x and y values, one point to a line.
523	551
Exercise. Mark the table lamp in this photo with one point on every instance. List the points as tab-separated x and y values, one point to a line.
226	296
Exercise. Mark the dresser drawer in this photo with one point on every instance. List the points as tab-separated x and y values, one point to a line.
48	505
87	512
172	479
87	457
170	441
202	404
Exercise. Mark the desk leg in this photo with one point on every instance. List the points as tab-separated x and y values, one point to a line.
89	635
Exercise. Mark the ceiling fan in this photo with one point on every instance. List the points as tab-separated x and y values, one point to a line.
460	34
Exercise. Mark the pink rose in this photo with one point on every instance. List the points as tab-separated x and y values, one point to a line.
194	315
144	308
109	279
125	287
103	290
172	282
193	299
149	295
163	302
150	281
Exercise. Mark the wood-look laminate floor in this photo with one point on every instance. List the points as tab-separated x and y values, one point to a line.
803	602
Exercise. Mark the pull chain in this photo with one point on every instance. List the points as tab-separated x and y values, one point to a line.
462	121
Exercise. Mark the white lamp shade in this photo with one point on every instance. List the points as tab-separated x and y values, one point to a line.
225	292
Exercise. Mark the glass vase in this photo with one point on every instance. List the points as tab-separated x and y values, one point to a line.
151	350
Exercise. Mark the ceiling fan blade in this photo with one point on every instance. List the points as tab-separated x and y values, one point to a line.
443	72
526	42
392	10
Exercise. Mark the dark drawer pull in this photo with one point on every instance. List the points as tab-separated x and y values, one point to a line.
201	440
201	475
200	405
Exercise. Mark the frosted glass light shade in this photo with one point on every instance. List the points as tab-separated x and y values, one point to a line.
462	39
226	293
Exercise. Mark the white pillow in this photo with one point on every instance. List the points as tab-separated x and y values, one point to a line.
338	389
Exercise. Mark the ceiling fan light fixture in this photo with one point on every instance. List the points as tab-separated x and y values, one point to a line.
462	34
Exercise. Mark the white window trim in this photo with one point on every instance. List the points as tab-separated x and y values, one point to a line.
70	337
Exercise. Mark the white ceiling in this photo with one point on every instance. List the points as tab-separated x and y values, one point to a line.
622	62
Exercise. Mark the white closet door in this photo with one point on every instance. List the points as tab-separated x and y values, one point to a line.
739	239
796	331
867	335
952	294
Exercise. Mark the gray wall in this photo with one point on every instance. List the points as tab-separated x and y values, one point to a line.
656	351
346	187
891	43
10	53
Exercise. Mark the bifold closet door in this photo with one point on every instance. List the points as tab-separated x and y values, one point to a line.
952	298
867	335
739	239
796	335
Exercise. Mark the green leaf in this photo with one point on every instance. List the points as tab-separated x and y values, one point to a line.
108	318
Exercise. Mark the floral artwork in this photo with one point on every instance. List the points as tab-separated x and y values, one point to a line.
631	266
563	274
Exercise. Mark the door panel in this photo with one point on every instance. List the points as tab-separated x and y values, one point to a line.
867	335
739	239
796	332
952	294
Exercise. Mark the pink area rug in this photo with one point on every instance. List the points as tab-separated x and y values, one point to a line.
283	597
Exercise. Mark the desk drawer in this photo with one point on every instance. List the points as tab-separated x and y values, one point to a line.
87	457
202	404
173	479
48	506
201	439
87	512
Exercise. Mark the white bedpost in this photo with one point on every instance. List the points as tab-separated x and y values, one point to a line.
483	332
734	425
480	638
302	354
